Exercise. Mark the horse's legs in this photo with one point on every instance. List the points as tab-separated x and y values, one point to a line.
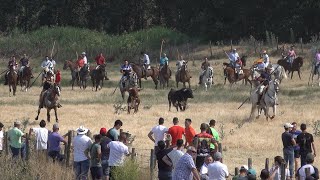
299	74
56	114
38	114
177	84
14	87
48	114
267	112
291	74
155	80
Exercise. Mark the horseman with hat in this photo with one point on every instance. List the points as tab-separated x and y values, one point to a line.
264	80
47	66
125	69
204	66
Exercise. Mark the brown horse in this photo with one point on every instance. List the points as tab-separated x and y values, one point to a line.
183	75
295	66
12	81
97	77
50	101
73	68
25	77
133	100
153	73
231	75
164	76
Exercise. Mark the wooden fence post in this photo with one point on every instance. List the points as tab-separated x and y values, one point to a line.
301	45
27	147
236	171
283	171
267	164
6	143
133	153
68	148
210	44
250	163
152	163
307	171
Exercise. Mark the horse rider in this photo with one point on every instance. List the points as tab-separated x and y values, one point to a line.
100	60
264	80
237	68
180	63
12	63
291	55
84	57
259	65
53	63
204	66
265	58
24	62
233	57
80	63
45	88
317	61
146	63
163	60
125	69
47	66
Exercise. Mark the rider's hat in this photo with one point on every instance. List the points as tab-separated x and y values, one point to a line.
234	49
258	61
264	51
83	53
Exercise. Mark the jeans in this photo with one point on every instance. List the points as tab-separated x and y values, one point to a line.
15	152
81	169
288	155
164	175
303	156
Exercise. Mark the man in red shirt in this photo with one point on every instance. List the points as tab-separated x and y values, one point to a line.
80	63
190	132
176	131
100	60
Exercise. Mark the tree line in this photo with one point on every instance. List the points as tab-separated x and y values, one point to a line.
206	19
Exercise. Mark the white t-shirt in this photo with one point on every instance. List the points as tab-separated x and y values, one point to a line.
234	57
146	59
85	60
41	138
1	140
80	144
118	150
277	175
302	172
175	155
217	171
204	169
159	133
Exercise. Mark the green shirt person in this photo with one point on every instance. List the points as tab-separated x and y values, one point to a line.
15	135
214	132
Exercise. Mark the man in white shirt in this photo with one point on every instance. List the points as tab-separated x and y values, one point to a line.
41	134
233	57
265	58
175	154
84	58
204	168
314	172
80	144
1	138
118	151
146	63
217	170
158	132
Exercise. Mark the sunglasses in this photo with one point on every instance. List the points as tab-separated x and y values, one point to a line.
194	151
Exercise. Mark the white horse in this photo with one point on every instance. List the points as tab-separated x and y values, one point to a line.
207	78
279	72
269	99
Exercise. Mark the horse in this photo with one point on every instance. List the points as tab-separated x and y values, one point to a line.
153	73
73	68
97	77
131	82
84	74
133	100
296	65
231	75
315	71
12	81
50	101
207	78
244	63
277	71
183	75
268	100
25	77
164	75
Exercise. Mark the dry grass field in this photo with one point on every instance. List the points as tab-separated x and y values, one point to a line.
258	140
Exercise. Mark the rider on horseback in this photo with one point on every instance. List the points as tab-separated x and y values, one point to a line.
146	63
264	80
317	61
47	66
125	69
12	63
164	60
233	57
45	90
100	60
237	68
204	66
291	56
24	62
80	63
180	63
265	58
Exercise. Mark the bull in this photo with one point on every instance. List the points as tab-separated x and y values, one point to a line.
133	100
179	98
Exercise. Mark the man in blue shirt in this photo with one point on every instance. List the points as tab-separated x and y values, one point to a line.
164	60
125	69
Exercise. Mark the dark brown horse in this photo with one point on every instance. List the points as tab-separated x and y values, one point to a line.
231	75
183	75
295	66
153	73
12	81
25	77
164	76
97	77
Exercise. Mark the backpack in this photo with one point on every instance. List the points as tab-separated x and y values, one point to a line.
203	146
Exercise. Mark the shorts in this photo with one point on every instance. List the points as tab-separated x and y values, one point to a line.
105	167
56	155
96	172
296	153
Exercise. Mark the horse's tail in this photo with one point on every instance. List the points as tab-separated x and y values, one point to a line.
283	73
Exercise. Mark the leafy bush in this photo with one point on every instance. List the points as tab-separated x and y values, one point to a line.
130	170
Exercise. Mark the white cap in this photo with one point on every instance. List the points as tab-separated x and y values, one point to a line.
83	53
288	125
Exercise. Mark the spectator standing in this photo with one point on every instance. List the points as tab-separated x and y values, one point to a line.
14	136
190	132
95	158
186	168
243	173
275	171
296	147
264	175
80	144
164	164
41	134
176	131
288	143
314	172
204	168
174	155
1	138
54	140
105	152
158	132
217	170
113	133
118	151
306	144
214	133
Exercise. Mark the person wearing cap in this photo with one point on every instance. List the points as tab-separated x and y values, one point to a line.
125	70
1	138
84	57
113	133
214	133
217	170
265	58
164	60
314	172
233	57
105	152
296	147
54	140
306	144
185	168
204	168
243	173
15	136
80	144
204	66
189	131
176	131
41	134
158	133
288	150
11	64
146	63
291	55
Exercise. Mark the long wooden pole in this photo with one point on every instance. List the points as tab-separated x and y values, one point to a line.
54	43
161	48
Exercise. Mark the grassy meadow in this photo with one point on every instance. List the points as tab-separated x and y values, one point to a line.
258	140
